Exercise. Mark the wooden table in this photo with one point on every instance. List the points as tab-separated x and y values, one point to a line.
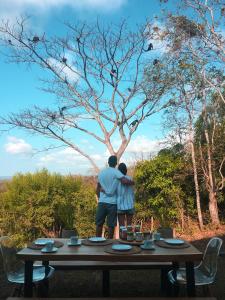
96	253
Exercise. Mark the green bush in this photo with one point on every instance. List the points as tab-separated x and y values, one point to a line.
40	204
158	192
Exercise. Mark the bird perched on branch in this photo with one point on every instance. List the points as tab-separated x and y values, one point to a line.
53	116
10	42
35	39
64	60
113	74
61	110
150	47
155	62
133	123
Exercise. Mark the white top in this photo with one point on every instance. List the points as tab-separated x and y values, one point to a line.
125	196
109	180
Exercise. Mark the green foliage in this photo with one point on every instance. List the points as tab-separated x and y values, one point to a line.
158	191
40	204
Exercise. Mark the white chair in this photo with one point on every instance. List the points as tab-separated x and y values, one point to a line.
14	268
205	272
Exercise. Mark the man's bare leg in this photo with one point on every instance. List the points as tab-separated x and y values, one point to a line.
99	230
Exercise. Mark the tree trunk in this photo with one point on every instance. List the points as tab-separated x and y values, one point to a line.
213	208
197	193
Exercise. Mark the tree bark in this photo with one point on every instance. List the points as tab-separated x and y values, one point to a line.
213	208
197	193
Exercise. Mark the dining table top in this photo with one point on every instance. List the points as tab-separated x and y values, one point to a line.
97	253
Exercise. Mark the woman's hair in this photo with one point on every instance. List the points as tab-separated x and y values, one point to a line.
122	168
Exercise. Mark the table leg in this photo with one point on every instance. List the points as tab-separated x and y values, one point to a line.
190	275
176	287
106	283
28	279
45	283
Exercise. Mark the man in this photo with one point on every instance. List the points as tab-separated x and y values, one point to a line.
108	180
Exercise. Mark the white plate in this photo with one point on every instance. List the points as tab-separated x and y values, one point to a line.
44	250
147	248
97	239
42	242
121	247
71	244
174	241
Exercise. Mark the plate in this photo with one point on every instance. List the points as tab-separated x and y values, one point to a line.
44	250
121	247
77	244
42	242
147	248
97	239
174	241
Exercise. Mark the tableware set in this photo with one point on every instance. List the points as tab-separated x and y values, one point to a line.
147	245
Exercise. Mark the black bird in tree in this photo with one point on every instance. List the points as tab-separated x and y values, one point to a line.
133	123
61	110
53	116
64	60
150	47
113	74
35	39
155	62
10	42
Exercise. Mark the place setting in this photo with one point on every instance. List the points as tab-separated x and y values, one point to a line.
148	245
96	241
41	243
74	241
49	248
172	243
122	249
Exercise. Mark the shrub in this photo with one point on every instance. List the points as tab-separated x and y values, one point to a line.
39	204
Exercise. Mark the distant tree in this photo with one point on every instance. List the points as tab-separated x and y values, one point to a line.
96	73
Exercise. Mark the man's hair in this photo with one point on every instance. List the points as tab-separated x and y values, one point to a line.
112	161
122	168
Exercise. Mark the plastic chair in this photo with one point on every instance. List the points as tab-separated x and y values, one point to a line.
14	268
205	272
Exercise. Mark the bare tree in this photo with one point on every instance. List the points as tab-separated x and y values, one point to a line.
96	73
199	35
182	115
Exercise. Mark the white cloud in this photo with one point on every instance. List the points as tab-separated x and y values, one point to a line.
17	146
68	157
141	144
140	147
12	8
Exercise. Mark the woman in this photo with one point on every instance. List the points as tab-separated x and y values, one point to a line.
125	199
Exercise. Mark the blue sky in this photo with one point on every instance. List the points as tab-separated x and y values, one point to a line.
19	87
